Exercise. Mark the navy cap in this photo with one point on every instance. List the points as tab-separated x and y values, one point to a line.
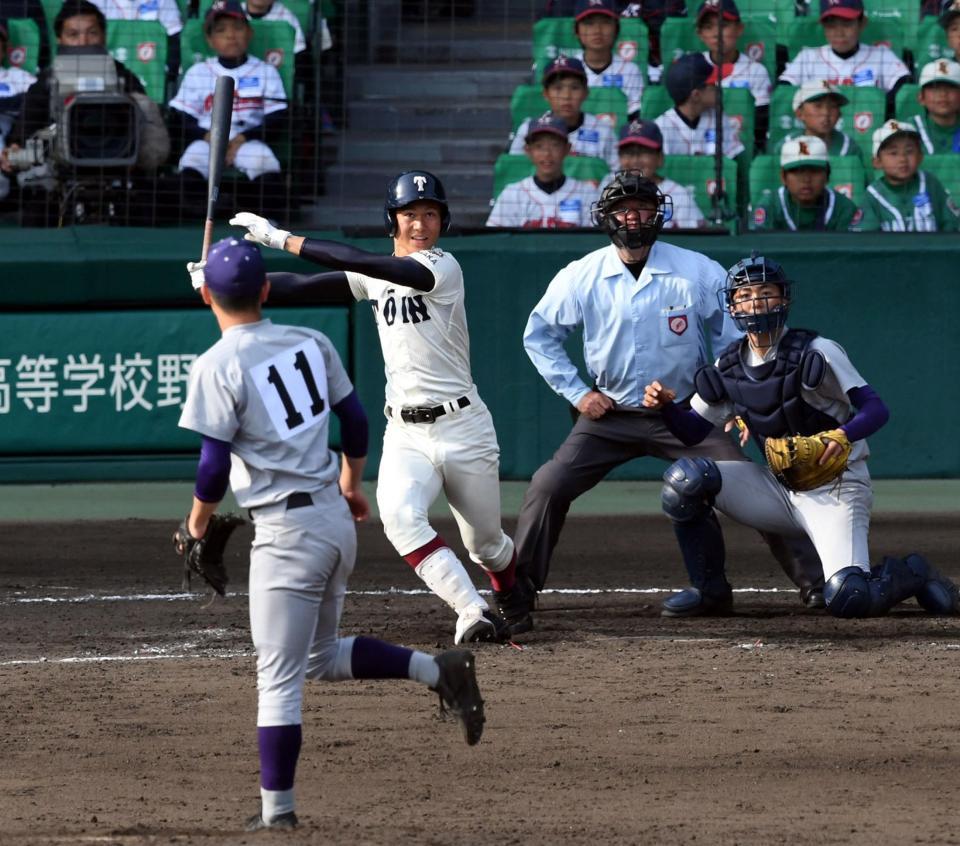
713	7
595	7
849	9
643	132
686	74
224	9
949	10
564	64
548	122
234	267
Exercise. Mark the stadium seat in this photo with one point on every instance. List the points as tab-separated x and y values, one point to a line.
946	167
808	32
23	50
929	43
897	13
50	10
655	102
303	9
906	105
553	37
698	173
847	177
508	169
772	10
609	103
759	39
142	47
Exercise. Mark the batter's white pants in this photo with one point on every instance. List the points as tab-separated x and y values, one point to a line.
299	566
837	520
254	158
457	454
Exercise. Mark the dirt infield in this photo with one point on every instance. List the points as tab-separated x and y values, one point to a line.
128	708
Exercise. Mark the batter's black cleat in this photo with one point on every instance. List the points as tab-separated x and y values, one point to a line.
459	691
812	596
515	606
477	626
692	602
281	822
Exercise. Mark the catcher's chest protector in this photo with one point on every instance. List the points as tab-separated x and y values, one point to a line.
768	397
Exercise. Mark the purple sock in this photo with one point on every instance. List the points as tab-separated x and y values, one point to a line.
377	659
279	750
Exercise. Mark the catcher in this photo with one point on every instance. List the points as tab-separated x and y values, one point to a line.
810	410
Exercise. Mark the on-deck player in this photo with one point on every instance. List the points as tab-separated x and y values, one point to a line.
782	381
261	397
439	434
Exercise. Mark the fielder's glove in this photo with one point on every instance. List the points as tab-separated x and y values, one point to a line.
204	556
794	460
260	230
195	269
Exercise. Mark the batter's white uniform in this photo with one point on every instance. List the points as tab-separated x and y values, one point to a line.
268	390
748	73
679	139
524	204
618	74
686	212
836	519
871	66
279	12
426	351
593	138
258	91
165	11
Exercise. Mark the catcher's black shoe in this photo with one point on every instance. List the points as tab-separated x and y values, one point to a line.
476	626
281	822
515	606
459	691
692	602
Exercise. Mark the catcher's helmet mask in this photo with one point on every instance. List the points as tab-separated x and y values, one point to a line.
408	188
633	185
757	270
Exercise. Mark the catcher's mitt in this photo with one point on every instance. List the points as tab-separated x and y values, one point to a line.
204	556
794	460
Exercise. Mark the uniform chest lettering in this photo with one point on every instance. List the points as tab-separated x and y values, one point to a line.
405	309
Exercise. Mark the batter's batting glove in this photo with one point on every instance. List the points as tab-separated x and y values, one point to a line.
195	269
260	230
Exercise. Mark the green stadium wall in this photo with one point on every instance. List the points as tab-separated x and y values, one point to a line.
122	294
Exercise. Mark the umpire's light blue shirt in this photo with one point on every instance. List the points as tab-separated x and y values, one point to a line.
634	330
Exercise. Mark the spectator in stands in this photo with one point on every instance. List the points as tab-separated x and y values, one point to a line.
939	125
843	60
548	199
597	24
166	12
32	9
565	89
817	106
259	103
950	21
905	198
739	70
641	148
14	83
689	128
274	10
654	13
804	202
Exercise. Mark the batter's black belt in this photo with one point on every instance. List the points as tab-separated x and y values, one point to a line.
424	413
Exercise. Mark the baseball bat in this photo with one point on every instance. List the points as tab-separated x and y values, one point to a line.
220	119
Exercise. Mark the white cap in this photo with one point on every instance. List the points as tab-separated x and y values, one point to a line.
814	91
942	70
804	151
888	130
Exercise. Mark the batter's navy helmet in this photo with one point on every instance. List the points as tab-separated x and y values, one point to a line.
409	187
756	270
632	184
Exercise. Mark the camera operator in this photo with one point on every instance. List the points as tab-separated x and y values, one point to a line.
14	83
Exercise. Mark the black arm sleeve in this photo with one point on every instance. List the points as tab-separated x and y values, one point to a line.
173	58
401	271
268	131
761	125
892	97
317	288
183	129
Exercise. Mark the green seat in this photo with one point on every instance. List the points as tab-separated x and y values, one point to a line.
772	10
698	173
509	168
50	10
946	167
610	104
679	36
906	105
527	101
808	32
847	177
23	49
929	43
655	102
554	37
141	46
898	14
303	10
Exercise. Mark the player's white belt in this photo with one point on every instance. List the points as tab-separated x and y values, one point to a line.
429	414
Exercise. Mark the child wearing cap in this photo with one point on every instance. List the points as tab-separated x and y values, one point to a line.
689	128
548	199
565	89
739	70
817	105
939	125
641	148
950	21
905	198
843	60
258	102
804	202
596	25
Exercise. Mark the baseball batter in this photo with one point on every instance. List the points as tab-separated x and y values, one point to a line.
781	382
439	434
261	398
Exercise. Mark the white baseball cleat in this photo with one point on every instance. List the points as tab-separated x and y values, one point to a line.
476	625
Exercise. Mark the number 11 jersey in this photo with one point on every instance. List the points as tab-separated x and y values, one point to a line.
267	390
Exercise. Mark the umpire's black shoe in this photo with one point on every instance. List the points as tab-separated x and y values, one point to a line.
459	691
515	606
281	822
692	602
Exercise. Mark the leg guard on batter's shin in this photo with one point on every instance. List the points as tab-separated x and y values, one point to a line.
446	577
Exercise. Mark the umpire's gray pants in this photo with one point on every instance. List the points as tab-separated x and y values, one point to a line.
594	448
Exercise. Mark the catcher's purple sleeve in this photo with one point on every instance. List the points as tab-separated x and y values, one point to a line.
213	470
685	424
872	413
354	428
